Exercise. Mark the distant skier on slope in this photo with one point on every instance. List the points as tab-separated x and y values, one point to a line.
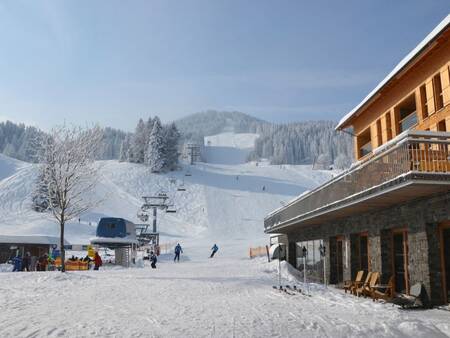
153	260
214	249
178	251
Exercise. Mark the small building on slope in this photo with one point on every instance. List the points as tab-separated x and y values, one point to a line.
390	212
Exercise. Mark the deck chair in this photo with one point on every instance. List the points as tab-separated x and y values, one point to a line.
357	282
367	289
385	292
414	300
354	289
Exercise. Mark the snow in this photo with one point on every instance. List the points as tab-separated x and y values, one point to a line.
113	240
219	201
408	58
228	148
47	240
227	296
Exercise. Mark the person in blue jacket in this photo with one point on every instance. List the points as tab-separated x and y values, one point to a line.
214	249
17	263
178	251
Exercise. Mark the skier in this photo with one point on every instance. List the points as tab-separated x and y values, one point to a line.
178	251
153	259
17	263
97	261
264	188
26	262
214	249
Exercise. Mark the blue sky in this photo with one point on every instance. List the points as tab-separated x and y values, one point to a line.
112	61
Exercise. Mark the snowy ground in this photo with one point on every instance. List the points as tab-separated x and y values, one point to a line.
228	296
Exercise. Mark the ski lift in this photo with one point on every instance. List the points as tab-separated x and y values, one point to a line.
181	188
172	180
188	173
171	211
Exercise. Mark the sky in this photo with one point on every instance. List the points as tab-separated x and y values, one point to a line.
112	62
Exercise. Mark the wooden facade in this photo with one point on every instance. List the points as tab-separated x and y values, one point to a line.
417	98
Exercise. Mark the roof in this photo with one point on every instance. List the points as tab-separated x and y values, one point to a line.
403	63
32	239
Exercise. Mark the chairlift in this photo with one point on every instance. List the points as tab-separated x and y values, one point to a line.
171	211
172	180
188	173
181	188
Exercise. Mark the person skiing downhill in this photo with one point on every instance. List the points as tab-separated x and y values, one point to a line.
214	249
178	251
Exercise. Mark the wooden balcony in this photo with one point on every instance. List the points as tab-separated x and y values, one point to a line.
413	165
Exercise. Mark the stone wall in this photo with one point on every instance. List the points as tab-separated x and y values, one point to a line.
421	219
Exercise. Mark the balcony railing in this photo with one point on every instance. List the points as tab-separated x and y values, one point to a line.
412	151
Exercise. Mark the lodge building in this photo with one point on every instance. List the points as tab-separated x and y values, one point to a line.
390	212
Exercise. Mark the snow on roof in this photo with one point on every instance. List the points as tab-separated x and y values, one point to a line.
32	239
406	60
114	240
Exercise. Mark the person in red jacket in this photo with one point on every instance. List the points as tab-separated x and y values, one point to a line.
97	261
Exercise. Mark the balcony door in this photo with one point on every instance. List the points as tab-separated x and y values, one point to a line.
400	260
445	259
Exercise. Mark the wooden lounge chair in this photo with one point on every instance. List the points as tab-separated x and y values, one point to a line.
385	292
357	282
354	289
367	289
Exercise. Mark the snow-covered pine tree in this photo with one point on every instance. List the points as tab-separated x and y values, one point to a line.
171	140
39	198
124	149
139	144
155	151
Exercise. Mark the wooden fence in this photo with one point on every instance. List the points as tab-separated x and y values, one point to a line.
259	251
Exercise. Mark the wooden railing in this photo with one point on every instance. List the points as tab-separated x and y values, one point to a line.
411	151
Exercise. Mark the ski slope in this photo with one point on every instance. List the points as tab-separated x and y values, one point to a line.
220	201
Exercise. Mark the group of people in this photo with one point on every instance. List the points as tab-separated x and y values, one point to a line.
178	251
31	263
97	260
42	263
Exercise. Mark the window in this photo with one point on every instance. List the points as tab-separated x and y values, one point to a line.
388	127
314	259
407	113
441	126
423	101
437	87
364	143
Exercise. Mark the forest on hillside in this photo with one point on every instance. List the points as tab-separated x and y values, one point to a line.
311	142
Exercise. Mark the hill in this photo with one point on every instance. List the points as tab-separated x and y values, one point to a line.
220	201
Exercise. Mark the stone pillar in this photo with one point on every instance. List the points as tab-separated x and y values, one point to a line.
434	285
418	265
374	251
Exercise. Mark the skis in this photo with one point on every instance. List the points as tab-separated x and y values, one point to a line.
284	290
290	290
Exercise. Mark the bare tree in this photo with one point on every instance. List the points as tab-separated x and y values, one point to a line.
70	173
